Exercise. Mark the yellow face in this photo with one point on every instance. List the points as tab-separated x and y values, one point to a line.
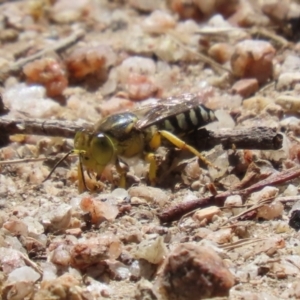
96	151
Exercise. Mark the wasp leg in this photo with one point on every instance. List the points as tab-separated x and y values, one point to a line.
81	181
89	173
122	169
57	164
182	145
155	141
151	158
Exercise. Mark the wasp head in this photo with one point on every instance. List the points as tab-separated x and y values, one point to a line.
95	150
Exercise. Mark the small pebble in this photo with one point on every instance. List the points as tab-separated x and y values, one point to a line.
270	211
291	190
89	60
266	193
152	251
99	210
221	52
206	213
290	104
66	284
48	72
55	218
257	103
245	87
20	290
253	59
94	250
234	200
74	231
194	272
150	194
287	80
63	11
158	22
30	100
23	274
145	5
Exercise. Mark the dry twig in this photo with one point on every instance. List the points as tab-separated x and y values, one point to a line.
241	243
268	34
30	263
28	160
175	212
22	160
262	138
287	199
202	57
60	45
250	209
65	129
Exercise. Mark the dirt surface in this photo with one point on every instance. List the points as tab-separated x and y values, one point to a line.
203	231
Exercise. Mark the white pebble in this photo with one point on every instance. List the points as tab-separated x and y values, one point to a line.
30	100
34	227
222	163
265	193
291	64
234	200
206	213
270	211
224	118
152	251
150	194
291	190
23	274
158	22
136	64
55	217
287	80
120	194
49	271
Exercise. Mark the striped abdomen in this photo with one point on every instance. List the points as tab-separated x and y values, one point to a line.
188	121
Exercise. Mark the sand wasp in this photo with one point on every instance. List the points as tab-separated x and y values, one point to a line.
127	135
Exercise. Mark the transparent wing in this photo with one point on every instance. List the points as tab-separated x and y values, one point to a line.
167	107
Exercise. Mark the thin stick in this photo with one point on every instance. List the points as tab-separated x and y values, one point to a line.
201	56
261	138
30	262
175	212
266	33
252	208
27	160
81	175
23	160
286	199
60	45
241	243
65	129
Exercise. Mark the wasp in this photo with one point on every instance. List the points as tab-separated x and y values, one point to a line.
125	135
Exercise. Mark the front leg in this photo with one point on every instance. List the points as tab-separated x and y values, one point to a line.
81	180
122	168
151	158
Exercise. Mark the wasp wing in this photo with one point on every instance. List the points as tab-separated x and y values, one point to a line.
163	109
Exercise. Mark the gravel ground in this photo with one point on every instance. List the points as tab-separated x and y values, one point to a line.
202	231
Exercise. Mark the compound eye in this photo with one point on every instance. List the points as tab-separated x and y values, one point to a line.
102	149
